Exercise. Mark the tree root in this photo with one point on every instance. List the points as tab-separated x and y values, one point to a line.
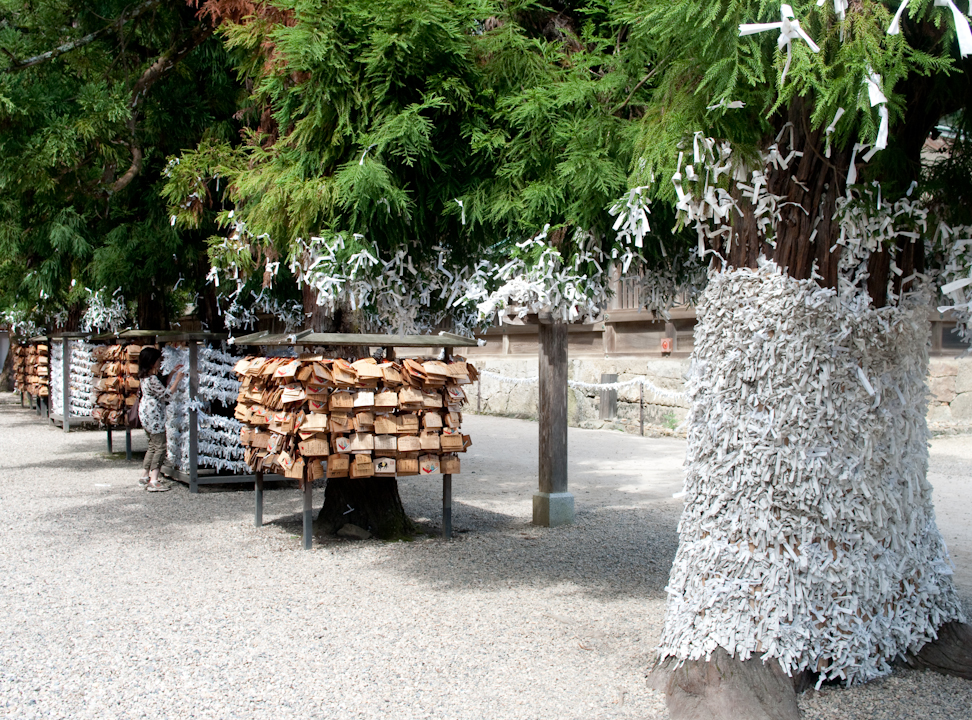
950	654
725	688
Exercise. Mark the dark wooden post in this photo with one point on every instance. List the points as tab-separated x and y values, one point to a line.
307	486
258	488
447	507
553	505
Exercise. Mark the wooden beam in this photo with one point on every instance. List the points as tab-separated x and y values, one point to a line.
362	339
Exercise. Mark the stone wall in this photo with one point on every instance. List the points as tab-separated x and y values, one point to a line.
662	415
950	388
949	383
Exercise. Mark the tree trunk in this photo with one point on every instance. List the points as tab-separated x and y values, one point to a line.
207	308
316	317
725	688
808	537
152	312
810	186
949	654
370	503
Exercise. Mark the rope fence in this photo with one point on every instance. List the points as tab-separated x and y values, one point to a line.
643	383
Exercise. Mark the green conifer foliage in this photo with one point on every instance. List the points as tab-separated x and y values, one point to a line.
436	127
94	96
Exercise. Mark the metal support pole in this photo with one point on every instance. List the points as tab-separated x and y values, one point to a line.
109	439
128	444
447	507
66	385
258	492
641	408
193	418
308	514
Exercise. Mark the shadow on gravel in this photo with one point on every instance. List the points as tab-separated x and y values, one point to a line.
35	421
70	463
611	552
124	511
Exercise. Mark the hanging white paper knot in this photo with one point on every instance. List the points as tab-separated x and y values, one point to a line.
840	8
790	30
962	29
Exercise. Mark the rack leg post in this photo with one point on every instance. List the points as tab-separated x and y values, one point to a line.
66	385
447	507
128	444
308	514
109	440
193	418
258	493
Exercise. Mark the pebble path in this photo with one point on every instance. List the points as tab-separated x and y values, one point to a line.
117	603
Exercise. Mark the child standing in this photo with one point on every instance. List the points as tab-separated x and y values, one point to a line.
151	412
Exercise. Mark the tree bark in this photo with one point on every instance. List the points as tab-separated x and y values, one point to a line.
152	313
314	316
810	186
370	503
6	375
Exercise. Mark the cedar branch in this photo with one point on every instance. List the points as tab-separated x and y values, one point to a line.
165	62
80	42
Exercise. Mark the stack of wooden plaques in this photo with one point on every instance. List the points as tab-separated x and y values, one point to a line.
115	373
38	370
20	367
360	419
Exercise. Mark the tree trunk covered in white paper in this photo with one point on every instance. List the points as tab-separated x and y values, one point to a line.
808	533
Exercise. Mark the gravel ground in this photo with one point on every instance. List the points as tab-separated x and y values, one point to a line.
124	604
